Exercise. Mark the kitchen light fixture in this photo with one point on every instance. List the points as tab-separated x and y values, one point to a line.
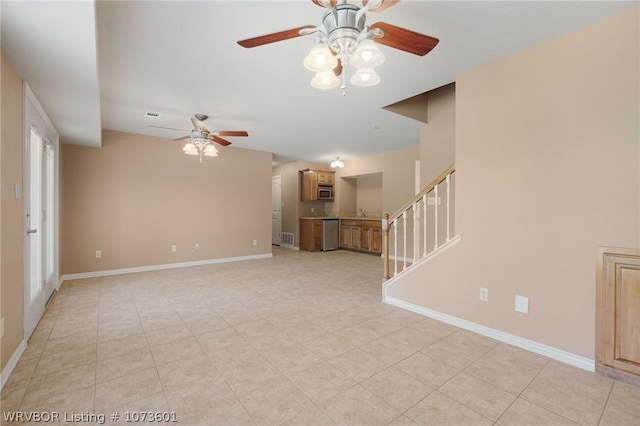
199	145
337	163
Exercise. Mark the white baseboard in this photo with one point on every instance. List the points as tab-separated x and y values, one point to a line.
13	361
108	272
289	246
512	339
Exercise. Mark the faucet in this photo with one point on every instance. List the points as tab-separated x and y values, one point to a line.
361	213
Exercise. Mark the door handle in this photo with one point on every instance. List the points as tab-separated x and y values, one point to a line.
31	231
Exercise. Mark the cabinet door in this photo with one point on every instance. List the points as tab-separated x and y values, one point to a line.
309	186
317	235
356	233
376	240
345	236
365	240
325	178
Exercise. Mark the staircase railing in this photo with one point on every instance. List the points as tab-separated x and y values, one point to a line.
423	225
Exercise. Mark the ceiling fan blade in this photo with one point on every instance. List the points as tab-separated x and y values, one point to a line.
231	133
332	3
221	141
386	4
197	124
403	39
274	37
182	138
169	128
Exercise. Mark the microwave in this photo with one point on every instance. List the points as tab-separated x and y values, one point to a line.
325	193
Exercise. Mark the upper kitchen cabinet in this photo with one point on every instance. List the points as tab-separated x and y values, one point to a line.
316	185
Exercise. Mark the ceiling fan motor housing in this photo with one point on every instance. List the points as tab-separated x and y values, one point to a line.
341	27
198	134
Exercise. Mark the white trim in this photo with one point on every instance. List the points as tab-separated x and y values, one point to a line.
13	361
289	246
511	339
135	269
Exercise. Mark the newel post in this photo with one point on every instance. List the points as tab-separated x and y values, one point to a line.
385	227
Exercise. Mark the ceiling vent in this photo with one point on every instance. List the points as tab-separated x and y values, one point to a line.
152	114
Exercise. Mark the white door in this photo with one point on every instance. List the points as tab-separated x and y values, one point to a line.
276	210
40	209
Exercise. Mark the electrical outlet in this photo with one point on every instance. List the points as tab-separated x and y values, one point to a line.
98	254
255	242
197	247
174	248
1	328
484	294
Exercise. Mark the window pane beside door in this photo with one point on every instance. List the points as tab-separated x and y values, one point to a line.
49	186
35	217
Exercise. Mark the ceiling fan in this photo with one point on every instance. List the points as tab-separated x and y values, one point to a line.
200	139
343	37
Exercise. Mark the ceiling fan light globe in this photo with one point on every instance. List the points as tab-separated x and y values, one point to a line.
365	77
189	147
320	58
211	154
209	149
367	55
191	152
325	80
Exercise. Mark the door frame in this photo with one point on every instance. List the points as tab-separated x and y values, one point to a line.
34	112
605	361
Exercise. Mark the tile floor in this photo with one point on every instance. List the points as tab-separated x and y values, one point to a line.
298	339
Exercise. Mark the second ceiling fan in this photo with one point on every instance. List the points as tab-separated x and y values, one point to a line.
344	38
201	139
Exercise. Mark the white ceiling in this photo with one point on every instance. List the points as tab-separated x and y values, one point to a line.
179	58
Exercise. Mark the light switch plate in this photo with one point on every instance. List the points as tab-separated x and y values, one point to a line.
522	304
17	191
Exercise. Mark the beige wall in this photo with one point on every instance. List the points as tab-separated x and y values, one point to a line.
547	154
11	211
398	175
137	195
437	137
369	194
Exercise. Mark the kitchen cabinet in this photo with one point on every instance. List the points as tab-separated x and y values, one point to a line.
311	234
326	178
350	233
372	236
311	179
360	234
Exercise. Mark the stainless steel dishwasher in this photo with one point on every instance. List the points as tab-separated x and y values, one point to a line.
330	234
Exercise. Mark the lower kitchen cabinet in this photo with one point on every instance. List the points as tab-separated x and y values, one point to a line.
311	234
361	234
372	236
350	235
